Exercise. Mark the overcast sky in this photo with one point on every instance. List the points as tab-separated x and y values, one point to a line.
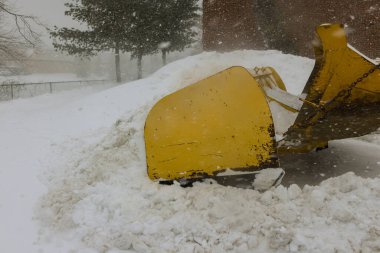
50	12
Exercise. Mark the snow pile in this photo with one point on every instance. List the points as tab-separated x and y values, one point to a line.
104	196
106	199
90	152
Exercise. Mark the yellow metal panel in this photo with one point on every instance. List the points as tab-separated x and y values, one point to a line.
337	67
267	77
222	122
280	84
343	95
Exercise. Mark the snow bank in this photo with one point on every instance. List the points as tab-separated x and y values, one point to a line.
99	198
106	199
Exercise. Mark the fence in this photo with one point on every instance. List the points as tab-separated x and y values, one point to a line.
24	90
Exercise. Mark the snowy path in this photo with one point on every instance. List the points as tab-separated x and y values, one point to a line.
23	145
27	134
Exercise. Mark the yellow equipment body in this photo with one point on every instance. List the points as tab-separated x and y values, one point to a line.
343	95
224	122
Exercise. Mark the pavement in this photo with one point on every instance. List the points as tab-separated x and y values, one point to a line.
351	155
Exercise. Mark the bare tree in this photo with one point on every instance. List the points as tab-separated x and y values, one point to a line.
16	34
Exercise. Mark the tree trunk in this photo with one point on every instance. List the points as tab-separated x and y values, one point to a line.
117	63
139	66
163	57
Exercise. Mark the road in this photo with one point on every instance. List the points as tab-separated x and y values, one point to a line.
342	156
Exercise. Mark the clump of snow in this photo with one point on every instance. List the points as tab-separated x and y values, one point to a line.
265	178
164	45
99	198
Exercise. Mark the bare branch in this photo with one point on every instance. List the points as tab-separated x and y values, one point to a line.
17	38
23	24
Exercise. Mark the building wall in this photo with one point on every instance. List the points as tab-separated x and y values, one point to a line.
229	25
299	18
296	21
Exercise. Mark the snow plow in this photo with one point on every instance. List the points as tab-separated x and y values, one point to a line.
234	125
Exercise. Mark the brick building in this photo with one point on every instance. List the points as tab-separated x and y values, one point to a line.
229	24
288	25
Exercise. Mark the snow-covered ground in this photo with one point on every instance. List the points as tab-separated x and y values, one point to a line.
39	78
73	179
46	83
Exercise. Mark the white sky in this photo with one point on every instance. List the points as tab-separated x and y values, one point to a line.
49	12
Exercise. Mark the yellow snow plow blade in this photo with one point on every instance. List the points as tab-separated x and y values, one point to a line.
222	126
343	95
220	123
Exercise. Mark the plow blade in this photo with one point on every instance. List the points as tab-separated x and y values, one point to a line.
220	124
343	95
222	127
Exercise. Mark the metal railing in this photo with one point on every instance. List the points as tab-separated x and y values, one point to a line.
10	91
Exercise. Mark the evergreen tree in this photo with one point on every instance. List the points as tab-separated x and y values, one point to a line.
141	29
136	26
175	23
110	26
164	25
104	31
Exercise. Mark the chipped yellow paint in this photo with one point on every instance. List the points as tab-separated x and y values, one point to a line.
221	122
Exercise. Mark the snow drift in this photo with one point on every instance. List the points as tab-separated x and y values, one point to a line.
99	198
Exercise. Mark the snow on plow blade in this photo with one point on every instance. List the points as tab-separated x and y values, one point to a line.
224	123
343	95
220	123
